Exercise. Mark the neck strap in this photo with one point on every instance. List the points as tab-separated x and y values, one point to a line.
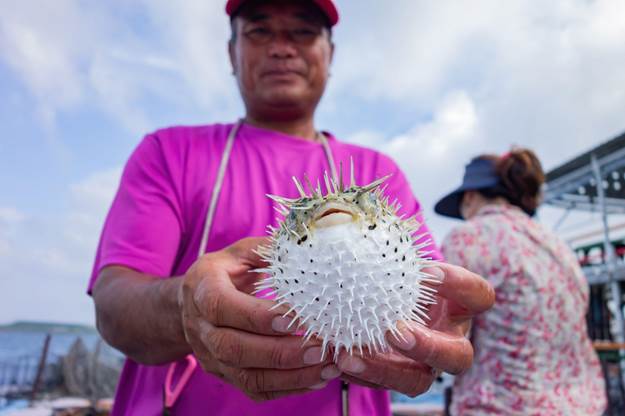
217	188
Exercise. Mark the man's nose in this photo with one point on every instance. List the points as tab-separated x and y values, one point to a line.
282	45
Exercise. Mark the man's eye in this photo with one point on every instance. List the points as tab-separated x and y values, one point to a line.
304	34
258	33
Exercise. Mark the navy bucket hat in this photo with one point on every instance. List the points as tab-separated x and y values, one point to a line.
478	174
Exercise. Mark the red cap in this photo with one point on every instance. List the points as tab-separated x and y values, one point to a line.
327	7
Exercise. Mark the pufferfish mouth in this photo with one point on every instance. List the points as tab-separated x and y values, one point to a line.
332	214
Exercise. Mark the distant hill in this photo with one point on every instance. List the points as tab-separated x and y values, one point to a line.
54	327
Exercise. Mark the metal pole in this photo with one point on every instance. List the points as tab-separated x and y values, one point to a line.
562	218
610	259
40	368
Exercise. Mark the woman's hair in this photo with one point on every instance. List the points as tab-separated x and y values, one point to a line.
521	177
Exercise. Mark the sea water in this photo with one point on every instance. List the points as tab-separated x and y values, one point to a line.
20	353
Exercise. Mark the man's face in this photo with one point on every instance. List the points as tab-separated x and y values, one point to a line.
281	55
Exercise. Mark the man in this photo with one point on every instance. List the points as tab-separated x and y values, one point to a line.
157	302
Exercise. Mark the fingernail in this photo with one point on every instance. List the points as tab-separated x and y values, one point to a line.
318	386
330	372
435	274
352	365
312	355
280	324
406	340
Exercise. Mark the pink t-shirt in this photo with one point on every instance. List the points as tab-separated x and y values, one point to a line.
155	226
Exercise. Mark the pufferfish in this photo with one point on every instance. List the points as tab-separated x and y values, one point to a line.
347	266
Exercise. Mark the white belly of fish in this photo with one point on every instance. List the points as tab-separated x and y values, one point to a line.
348	284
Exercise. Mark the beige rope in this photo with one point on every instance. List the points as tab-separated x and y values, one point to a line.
328	151
217	189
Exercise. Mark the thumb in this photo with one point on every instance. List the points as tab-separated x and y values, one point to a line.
245	254
241	256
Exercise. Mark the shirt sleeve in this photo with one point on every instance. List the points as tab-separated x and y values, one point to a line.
143	228
399	188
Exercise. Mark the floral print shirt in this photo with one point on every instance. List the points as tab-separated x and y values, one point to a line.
532	352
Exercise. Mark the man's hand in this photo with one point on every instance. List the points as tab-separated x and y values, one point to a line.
235	336
412	365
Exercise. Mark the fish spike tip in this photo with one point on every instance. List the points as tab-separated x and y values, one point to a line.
281	210
280	200
373	185
335	187
341	185
309	185
352	179
299	187
326	179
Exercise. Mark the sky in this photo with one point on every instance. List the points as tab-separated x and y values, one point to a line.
429	83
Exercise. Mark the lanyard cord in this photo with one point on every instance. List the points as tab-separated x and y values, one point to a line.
217	189
326	148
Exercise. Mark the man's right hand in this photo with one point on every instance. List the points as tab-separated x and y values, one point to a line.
234	335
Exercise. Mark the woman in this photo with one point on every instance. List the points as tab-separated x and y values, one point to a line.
532	352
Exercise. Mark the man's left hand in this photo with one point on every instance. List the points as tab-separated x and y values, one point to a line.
413	364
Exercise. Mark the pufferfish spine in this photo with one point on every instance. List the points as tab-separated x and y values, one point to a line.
347	266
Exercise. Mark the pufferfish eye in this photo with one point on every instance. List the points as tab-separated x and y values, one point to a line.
366	200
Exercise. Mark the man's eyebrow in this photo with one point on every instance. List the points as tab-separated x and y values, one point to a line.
309	18
257	17
305	17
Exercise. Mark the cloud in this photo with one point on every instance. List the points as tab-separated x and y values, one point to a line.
90	201
432	153
70	53
417	47
195	35
45	261
10	219
527	68
500	73
44	46
10	215
536	75
454	123
41	61
75	235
